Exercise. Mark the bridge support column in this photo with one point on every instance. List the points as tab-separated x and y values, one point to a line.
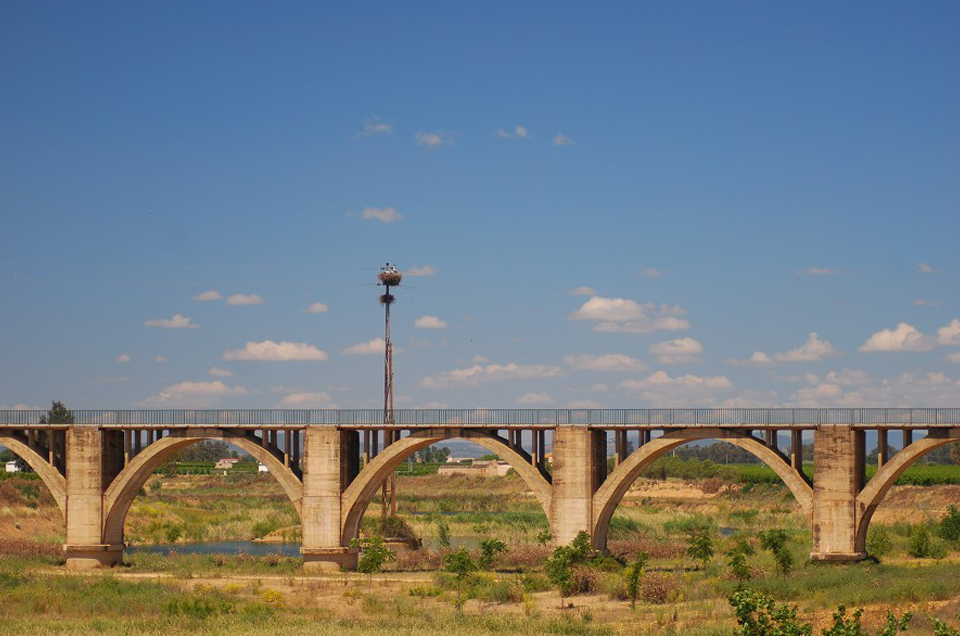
838	477
579	467
328	461
86	472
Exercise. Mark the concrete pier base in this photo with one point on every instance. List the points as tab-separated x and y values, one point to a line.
838	477
89	557
329	559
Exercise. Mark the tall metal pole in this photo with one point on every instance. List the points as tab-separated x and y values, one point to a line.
389	277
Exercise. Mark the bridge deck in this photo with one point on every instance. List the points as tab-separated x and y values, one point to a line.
504	418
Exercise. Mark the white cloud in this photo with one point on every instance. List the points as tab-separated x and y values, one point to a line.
177	322
622	315
925	268
317	308
923	302
660	389
21	407
562	140
244	299
435	139
384	215
615	362
904	338
479	360
813	350
368	348
308	400
949	334
472	376
426	270
757	359
219	373
208	295
375	126
905	390
429	322
519	132
583	290
679	351
848	377
195	394
652	272
276	352
530	399
123	358
161	359
818	271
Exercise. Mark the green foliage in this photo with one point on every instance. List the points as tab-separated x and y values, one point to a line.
173	533
58	414
758	615
432	454
443	532
775	540
266	526
198	608
544	537
634	573
561	563
843	626
489	548
737	558
373	554
700	547
942	629
949	526
894	625
879	542
460	564
921	545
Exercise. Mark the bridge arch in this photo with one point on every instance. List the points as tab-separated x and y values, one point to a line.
879	485
124	488
361	491
611	492
50	476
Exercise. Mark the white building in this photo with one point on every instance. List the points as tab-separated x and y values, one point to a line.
12	466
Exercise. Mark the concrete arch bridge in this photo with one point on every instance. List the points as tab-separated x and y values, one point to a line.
330	463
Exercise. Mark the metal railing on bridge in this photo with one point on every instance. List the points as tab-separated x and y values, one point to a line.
415	418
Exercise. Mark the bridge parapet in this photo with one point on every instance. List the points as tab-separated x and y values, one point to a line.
504	418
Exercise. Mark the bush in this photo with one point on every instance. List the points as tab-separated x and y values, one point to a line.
949	526
373	554
659	588
920	545
758	615
879	542
489	548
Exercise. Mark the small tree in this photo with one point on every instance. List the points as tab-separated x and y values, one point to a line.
561	562
949	527
443	532
373	554
58	414
544	537
758	615
700	546
634	572
737	559
776	541
459	563
490	548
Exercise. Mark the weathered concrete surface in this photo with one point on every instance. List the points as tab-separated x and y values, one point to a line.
838	461
85	548
320	509
579	465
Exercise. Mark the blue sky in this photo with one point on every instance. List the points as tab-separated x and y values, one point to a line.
608	204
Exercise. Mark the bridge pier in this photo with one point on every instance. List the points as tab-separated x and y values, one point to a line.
579	467
87	469
838	477
330	462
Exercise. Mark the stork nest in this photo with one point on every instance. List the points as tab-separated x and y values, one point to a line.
390	278
387	299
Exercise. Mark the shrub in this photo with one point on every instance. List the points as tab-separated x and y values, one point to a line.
659	588
634	572
920	546
443	532
878	541
700	546
373	554
949	526
758	615
489	548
